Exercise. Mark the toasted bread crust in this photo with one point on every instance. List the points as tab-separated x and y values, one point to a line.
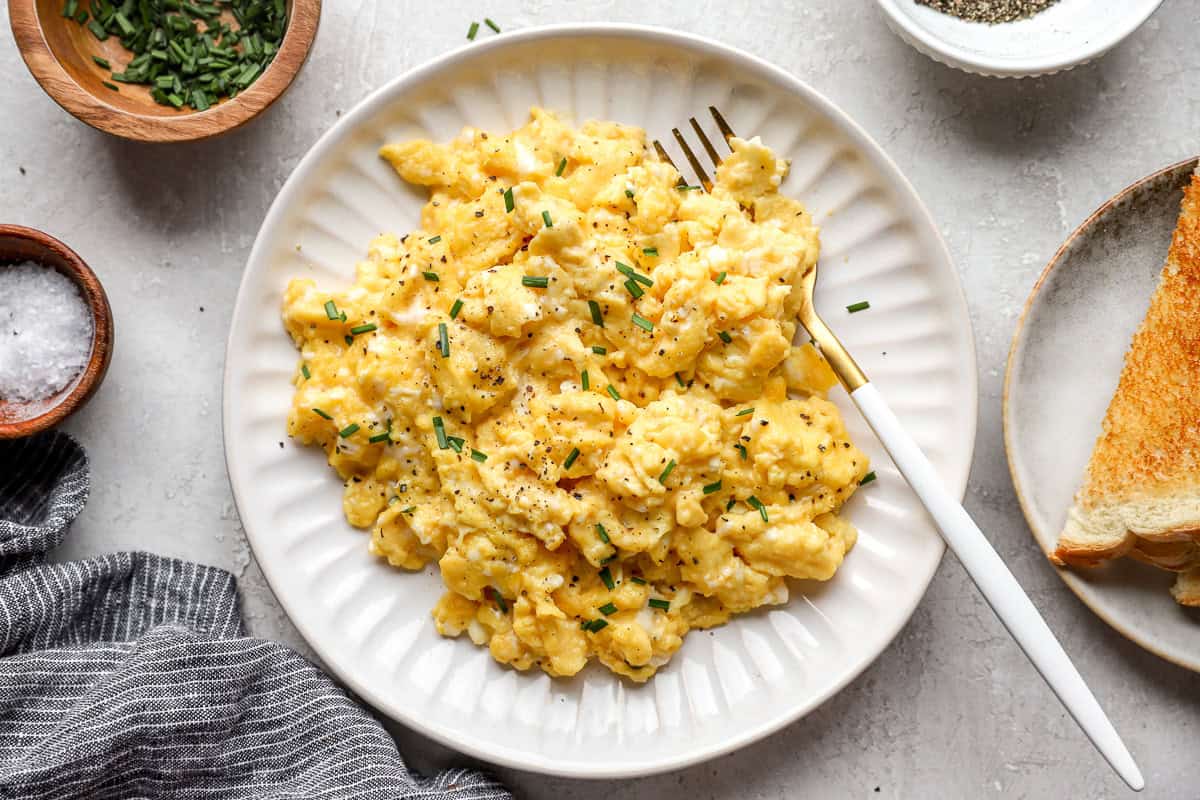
1141	491
1150	444
1186	590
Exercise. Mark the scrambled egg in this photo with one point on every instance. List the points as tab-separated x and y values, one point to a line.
574	388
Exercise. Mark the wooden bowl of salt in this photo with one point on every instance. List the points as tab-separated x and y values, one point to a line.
56	332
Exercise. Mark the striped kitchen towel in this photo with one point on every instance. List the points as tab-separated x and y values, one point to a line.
130	675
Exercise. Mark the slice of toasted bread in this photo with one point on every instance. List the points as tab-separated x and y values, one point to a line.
1143	480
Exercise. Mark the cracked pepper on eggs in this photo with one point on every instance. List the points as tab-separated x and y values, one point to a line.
575	389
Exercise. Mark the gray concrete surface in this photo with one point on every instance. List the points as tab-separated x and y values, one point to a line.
1008	168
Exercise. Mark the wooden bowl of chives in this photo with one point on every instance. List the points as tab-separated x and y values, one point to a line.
61	54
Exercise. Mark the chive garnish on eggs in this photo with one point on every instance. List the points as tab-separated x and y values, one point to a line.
305	371
331	309
664	605
745	411
607	577
720	278
349	430
662	478
862	305
321	414
571	456
632	287
561	166
357	329
478	455
584	381
535	281
546	219
612	392
712	487
435	239
430	276
439	429
725	337
598	350
607	608
509	204
594	307
443	340
870	476
454	309
642	322
603	534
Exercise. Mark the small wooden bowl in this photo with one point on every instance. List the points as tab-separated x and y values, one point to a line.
18	244
58	51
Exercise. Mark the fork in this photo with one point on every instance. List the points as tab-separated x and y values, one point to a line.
964	537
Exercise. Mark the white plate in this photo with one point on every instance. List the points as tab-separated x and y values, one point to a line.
1089	300
371	624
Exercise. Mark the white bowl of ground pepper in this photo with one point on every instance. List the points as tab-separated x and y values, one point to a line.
1015	38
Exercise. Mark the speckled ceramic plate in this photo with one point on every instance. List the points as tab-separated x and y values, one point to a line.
1062	371
371	624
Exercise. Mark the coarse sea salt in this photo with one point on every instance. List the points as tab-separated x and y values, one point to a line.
45	332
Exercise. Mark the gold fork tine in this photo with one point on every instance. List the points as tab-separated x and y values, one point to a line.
704	140
726	131
705	181
662	154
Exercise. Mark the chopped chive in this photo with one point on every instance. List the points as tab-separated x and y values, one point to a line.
474	29
608	559
342	316
349	430
357	329
435	239
97	30
304	371
443	340
642	322
535	281
607	608
584	381
870	476
598	350
612	392
70	8
456	443
478	455
650	251
629	193
491	24
439	429
757	504
431	276
712	487
720	278
665	605
561	166
124	24
101	61
349	339
606	576
546	219
454	309
386	436
596	625
331	309
725	337
112	86
662	478
632	287
679	380
638	581
321	413
603	534
686	188
630	272
571	456
498	598
509	205
594	307
731	503
745	411
741	448
860	306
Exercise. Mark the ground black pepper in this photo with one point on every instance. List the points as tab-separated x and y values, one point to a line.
990	11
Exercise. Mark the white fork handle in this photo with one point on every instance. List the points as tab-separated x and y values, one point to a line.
997	584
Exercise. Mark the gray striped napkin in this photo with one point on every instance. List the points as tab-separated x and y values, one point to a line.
131	676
